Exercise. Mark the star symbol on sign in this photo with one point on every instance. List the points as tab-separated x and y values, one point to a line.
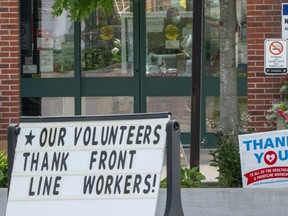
29	138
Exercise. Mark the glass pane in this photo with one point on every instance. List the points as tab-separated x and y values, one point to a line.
213	109
169	38
107	42
107	105
178	106
47	44
212	38
31	106
47	106
57	106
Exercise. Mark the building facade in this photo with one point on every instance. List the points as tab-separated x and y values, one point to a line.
121	64
263	22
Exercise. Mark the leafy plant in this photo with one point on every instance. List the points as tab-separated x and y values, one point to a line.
3	170
80	10
95	58
227	157
190	178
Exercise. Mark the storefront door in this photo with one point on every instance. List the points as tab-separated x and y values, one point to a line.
137	59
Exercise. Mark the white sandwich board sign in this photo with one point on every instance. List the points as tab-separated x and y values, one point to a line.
264	159
102	167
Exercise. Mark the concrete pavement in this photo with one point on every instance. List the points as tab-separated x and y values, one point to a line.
208	171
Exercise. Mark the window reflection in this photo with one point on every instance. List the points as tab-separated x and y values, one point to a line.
47	106
107	105
57	106
47	44
105	41
212	38
169	39
180	108
213	110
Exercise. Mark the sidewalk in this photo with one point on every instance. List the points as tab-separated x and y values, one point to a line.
209	172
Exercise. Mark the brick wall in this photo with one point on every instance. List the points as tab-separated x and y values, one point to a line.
9	67
263	22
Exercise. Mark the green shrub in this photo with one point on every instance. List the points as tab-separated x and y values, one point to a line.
226	157
3	170
189	178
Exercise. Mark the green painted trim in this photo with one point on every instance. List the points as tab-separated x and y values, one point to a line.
77	69
214	86
141	19
48	87
109	86
168	86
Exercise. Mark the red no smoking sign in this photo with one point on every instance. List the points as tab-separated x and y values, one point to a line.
276	57
276	48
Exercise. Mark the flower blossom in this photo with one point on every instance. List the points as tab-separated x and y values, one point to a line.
280	112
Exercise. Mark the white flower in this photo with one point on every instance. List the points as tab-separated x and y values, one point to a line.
117	42
115	50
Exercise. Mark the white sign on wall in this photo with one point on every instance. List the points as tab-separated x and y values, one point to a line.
103	168
284	20
264	158
275	57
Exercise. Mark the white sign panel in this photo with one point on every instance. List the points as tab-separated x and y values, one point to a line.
275	57
284	20
264	158
29	69
103	168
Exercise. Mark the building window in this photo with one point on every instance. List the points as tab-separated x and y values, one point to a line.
47	43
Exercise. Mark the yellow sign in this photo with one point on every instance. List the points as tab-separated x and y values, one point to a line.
183	3
106	32
171	32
